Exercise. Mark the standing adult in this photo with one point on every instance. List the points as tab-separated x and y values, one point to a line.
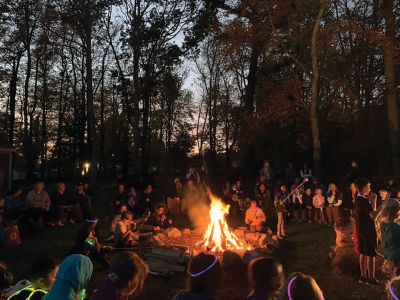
354	171
235	172
267	172
305	172
174	200
365	231
291	174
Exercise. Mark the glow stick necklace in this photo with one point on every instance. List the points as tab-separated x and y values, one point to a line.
208	268
392	293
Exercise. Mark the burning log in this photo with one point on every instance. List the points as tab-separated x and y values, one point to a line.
218	237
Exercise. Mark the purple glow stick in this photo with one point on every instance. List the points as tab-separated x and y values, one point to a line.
207	269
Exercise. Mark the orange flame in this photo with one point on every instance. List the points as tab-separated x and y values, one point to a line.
218	237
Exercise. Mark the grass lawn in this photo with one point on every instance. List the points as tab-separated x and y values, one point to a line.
305	250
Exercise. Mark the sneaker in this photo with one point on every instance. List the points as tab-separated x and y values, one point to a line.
51	224
373	281
363	280
71	221
60	224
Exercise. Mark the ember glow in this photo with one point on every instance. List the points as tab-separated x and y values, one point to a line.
218	237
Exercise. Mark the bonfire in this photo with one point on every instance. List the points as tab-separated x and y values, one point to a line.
218	237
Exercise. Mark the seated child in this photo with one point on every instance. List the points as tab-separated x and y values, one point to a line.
115	221
160	220
6	278
393	289
72	278
255	217
86	243
204	278
344	230
390	231
301	286
266	278
124	280
42	275
124	232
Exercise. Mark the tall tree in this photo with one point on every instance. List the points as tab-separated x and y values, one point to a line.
390	83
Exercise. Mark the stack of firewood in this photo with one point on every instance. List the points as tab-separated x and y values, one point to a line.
166	261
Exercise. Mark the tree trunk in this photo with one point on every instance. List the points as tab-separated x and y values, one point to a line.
145	131
390	83
102	127
136	83
13	93
90	105
315	88
27	139
251	79
45	94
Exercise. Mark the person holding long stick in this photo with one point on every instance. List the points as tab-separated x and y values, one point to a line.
279	201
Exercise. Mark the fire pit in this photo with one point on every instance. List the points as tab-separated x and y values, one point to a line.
216	238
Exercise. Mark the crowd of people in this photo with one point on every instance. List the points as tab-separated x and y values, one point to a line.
363	221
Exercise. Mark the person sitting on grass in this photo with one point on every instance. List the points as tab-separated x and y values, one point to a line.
62	205
115	221
86	243
300	286
42	275
120	198
344	230
15	207
205	278
343	251
390	231
255	217
266	278
393	289
124	232
39	202
83	201
234	284
72	278
125	278
6	278
160	220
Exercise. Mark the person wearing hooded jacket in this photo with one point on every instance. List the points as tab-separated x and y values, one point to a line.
72	278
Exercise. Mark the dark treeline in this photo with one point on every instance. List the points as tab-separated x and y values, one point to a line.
103	81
